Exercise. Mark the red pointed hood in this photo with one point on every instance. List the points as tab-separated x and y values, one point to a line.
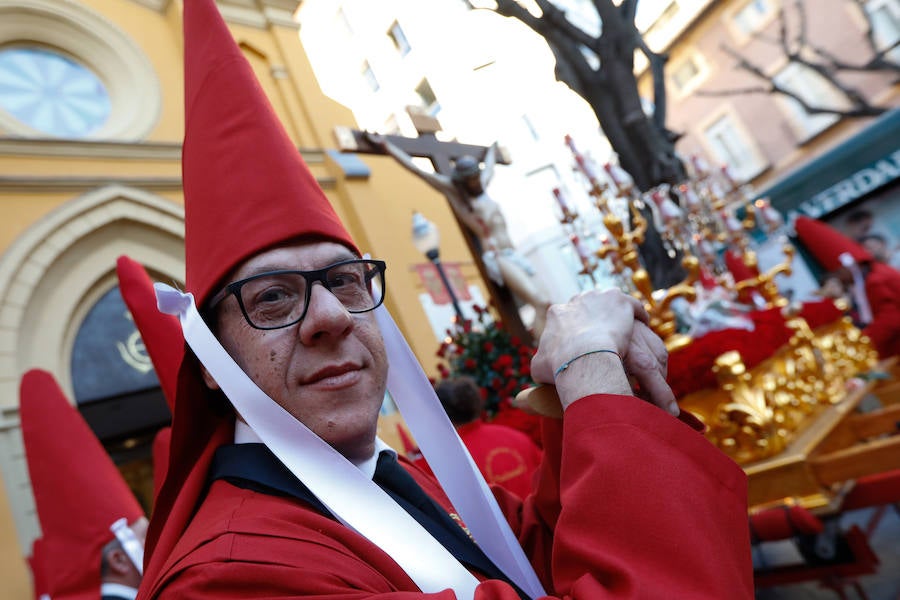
734	261
246	189
246	186
160	332
827	244
78	491
161	444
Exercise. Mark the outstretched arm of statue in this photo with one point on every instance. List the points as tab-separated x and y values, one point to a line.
441	183
490	160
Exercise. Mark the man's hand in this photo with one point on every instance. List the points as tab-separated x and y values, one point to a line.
610	322
646	364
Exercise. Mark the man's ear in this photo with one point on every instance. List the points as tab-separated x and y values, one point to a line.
208	378
118	561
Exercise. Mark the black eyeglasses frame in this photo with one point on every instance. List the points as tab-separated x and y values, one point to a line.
234	288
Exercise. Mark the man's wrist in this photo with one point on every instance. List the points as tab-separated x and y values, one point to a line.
592	373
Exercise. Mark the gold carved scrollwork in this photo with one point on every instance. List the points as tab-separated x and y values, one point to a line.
754	413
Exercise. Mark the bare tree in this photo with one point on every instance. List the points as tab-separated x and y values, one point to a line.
793	40
600	69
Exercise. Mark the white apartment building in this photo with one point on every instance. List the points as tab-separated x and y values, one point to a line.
485	78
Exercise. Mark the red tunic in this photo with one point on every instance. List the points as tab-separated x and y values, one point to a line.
505	456
883	292
629	503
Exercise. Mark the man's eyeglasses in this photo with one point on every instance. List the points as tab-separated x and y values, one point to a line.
281	298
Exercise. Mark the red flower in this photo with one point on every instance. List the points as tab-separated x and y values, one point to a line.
467	325
504	360
488	346
444	371
515	341
497	383
469	363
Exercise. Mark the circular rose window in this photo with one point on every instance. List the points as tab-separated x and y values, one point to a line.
52	93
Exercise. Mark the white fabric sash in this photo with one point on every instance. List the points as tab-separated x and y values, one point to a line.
132	546
858	290
450	460
354	499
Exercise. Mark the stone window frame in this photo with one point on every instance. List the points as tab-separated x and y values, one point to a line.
89	38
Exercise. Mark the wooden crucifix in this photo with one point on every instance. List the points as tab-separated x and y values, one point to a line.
444	157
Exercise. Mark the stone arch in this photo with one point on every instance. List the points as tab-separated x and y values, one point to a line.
50	277
57	269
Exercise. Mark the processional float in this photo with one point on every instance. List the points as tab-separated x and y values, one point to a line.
775	382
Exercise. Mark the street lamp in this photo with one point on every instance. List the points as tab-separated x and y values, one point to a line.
426	239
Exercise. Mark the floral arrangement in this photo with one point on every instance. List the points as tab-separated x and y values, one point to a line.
499	362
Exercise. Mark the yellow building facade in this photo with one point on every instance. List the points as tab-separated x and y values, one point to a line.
75	199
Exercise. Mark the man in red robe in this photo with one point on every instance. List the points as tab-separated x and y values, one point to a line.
505	456
277	485
874	285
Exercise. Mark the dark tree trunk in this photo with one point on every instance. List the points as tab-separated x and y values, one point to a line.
645	148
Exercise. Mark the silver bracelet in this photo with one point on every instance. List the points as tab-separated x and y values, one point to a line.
566	364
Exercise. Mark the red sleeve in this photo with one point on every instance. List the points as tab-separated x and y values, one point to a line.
649	508
883	291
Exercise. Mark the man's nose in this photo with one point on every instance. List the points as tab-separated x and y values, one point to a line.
325	315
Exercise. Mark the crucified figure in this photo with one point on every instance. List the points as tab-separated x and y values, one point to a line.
466	190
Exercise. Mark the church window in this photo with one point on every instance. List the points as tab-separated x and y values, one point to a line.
51	92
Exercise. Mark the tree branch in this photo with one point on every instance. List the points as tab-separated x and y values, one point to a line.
783	32
735	91
657	71
800	41
864	110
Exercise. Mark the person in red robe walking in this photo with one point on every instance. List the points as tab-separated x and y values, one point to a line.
277	484
92	526
505	456
874	286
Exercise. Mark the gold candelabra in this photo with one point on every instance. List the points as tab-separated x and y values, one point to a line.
752	413
621	248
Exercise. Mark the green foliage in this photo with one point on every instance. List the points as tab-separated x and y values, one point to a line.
498	361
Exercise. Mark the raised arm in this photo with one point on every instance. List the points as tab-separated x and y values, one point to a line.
595	342
490	160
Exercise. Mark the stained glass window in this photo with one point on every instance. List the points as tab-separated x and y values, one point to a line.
51	92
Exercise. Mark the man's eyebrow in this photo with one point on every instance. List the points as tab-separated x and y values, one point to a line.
281	266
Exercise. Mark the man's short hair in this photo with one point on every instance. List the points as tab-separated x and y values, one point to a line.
461	399
857	216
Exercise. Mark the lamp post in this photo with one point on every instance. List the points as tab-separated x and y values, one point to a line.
426	239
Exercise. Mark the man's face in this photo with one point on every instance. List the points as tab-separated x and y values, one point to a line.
473	184
832	288
876	247
329	370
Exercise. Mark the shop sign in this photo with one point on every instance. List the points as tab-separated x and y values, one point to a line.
850	188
